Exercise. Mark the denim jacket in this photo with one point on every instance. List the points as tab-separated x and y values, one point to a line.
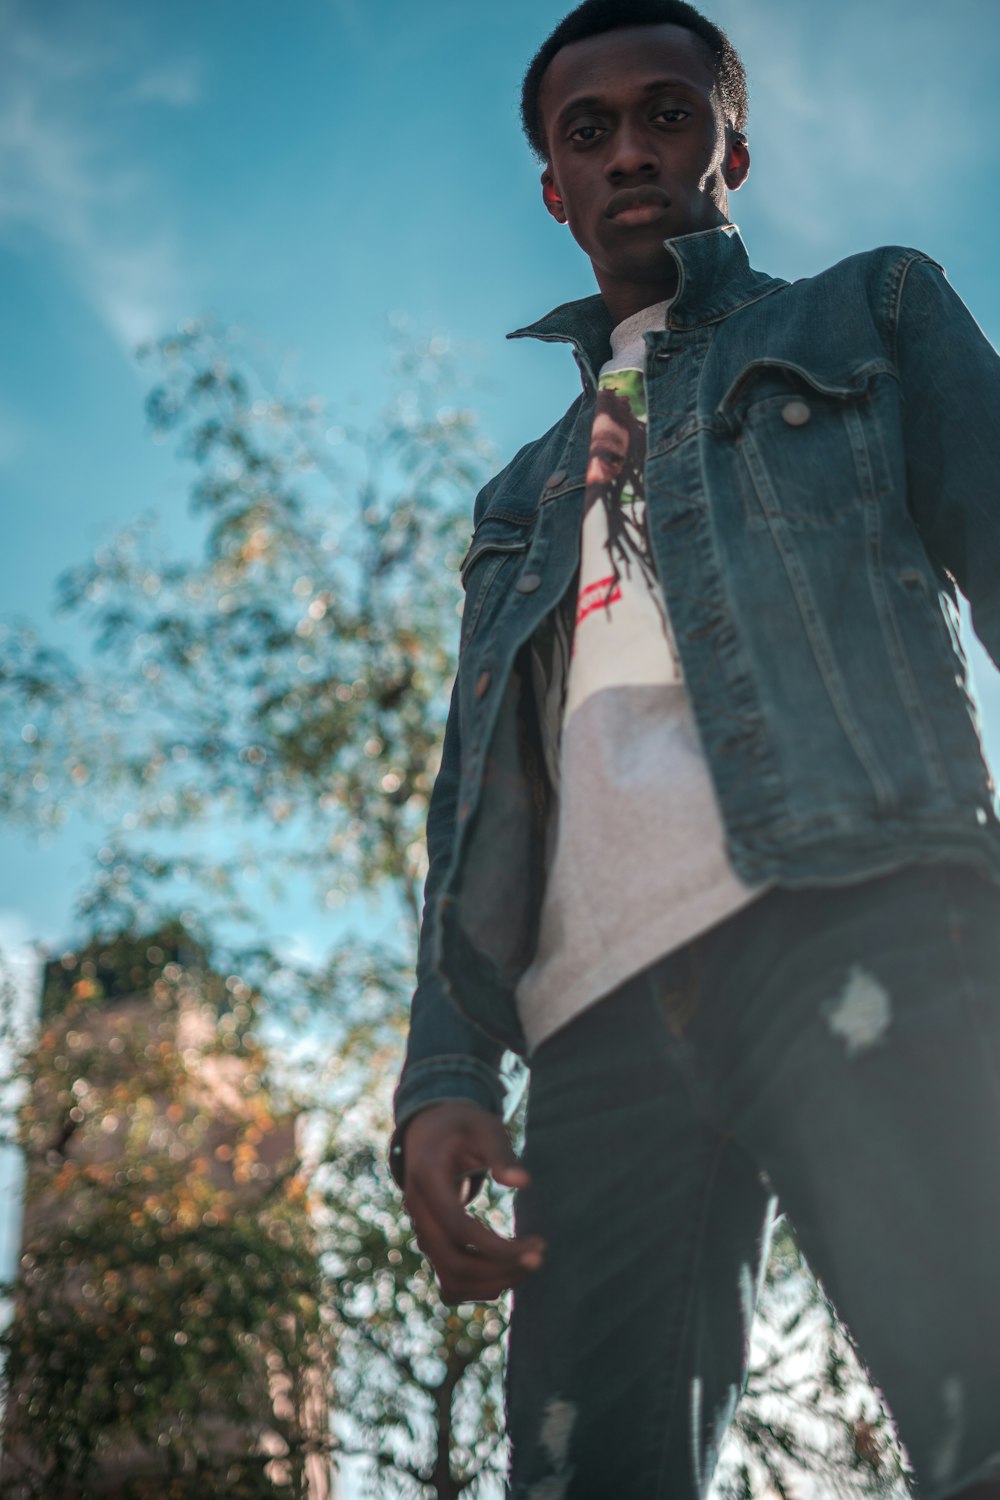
823	471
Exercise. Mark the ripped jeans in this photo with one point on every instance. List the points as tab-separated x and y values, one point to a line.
837	1047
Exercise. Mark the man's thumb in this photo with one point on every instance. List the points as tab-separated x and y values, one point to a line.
505	1167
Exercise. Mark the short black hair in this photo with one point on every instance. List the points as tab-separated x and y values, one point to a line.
595	16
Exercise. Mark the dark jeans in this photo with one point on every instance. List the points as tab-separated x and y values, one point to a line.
837	1047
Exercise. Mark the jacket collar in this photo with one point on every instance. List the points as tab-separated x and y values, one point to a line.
714	279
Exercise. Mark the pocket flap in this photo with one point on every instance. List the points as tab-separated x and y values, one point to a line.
771	379
494	536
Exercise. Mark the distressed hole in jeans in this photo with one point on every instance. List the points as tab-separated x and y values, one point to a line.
862	1013
554	1437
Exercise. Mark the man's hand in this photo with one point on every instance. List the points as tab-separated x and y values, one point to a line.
443	1146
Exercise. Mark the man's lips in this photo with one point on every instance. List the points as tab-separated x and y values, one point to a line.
640	197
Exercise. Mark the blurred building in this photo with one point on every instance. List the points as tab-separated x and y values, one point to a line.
167	1338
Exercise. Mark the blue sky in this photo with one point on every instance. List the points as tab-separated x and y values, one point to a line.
305	169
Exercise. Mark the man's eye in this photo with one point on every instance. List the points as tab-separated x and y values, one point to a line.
585	133
674	116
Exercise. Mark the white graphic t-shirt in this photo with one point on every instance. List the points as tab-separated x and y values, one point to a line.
637	861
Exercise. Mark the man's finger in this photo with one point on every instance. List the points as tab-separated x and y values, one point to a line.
510	1174
451	1232
461	1230
459	1262
468	1277
463	1277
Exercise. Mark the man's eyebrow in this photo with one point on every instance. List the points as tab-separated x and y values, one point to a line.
595	101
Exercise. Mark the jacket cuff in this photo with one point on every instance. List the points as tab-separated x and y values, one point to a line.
448	1079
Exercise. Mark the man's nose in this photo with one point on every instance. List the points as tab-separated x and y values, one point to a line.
633	155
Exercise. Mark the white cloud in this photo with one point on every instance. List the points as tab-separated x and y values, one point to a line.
178	84
135	289
69	176
38	53
845	146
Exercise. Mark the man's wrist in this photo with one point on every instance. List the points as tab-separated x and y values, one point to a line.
397	1141
448	1078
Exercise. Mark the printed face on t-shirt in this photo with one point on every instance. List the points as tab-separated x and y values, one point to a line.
608	448
617	449
621	621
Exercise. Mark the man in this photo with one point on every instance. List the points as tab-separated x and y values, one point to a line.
713	842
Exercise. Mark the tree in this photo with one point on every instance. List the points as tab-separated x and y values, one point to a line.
419	1383
291	680
168	1334
808	1409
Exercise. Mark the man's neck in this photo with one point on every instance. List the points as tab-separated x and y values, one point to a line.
624	299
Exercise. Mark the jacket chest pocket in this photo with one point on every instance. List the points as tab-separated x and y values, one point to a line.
489	568
808	446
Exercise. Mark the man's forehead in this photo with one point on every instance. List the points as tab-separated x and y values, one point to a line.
625	58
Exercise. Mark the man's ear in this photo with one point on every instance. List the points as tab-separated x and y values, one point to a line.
551	198
737	164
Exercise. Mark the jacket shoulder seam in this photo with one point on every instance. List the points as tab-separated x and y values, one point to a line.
903	262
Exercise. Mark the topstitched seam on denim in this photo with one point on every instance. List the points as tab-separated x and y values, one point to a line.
699	1089
985	1046
671	1395
952	1488
959	1483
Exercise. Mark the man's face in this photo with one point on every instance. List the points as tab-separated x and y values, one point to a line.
638	150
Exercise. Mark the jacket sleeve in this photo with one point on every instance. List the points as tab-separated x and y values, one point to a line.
950	376
447	1058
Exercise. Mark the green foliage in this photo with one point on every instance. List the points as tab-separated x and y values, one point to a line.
290	681
169	1305
418	1383
808	1408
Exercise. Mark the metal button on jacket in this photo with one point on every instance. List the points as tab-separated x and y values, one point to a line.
482	683
796	413
555	480
528	583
